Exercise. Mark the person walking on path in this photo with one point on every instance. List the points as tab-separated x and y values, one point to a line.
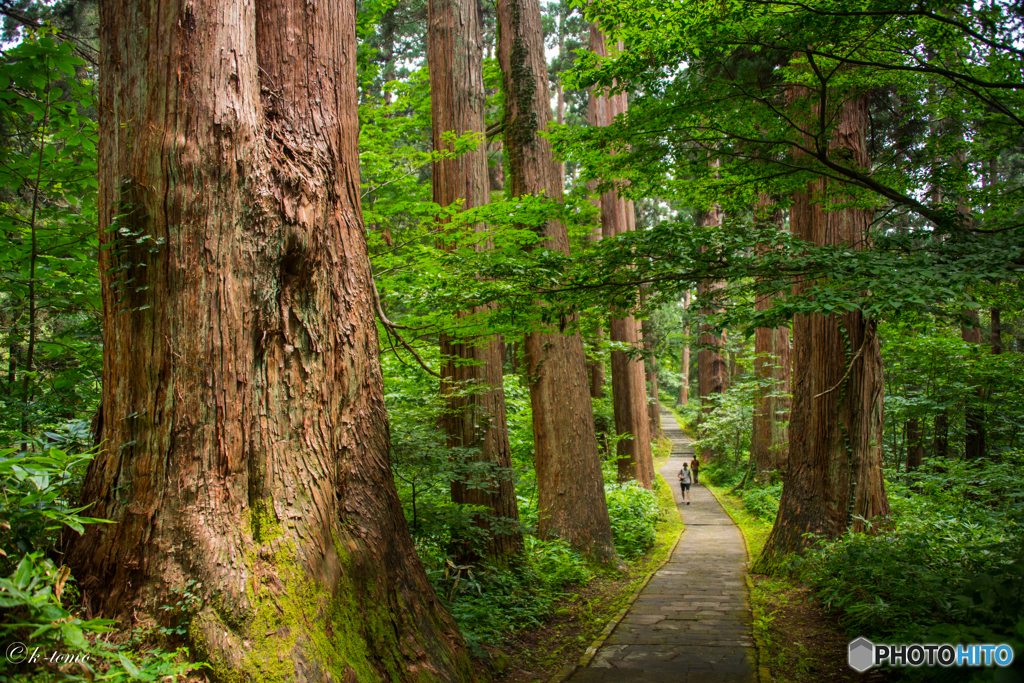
684	482
695	468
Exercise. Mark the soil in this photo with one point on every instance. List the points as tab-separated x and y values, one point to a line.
806	644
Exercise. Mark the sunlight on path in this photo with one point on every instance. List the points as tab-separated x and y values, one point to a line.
691	623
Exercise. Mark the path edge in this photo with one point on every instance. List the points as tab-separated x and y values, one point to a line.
764	674
569	669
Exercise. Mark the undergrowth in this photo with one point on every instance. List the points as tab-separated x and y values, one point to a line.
948	569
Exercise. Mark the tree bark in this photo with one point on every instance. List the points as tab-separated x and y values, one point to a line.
245	436
974	417
471	371
569	481
769	444
996	332
915	444
651	376
834	480
684	359
629	388
712	367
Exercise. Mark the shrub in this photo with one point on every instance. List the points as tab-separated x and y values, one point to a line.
488	602
763	501
949	570
634	513
35	511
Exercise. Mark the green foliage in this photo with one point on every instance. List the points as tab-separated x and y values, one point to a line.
634	513
49	290
38	490
36	513
763	501
932	374
490	602
952	558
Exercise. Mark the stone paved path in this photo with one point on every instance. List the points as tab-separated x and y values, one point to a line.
691	623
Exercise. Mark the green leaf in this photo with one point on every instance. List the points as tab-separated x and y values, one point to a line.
132	670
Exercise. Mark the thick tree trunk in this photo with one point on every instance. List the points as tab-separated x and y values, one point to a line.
471	372
770	439
834	479
769	444
596	367
974	445
245	437
684	359
712	366
569	481
629	388
651	377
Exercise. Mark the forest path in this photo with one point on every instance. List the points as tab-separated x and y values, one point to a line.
692	622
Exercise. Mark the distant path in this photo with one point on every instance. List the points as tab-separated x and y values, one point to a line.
691	623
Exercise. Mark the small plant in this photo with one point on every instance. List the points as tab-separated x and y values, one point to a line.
180	613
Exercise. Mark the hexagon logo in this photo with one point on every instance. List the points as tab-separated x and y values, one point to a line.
862	655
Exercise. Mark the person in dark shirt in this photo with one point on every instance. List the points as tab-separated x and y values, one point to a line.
695	468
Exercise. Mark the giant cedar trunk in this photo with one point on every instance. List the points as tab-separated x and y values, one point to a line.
712	367
769	444
569	482
245	440
651	376
595	366
834	478
629	388
770	439
472	372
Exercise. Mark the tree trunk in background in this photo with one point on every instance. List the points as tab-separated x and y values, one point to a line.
651	376
684	360
471	372
245	437
596	366
915	444
835	460
941	438
769	442
974	417
386	57
629	388
712	367
495	168
570	487
996	332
